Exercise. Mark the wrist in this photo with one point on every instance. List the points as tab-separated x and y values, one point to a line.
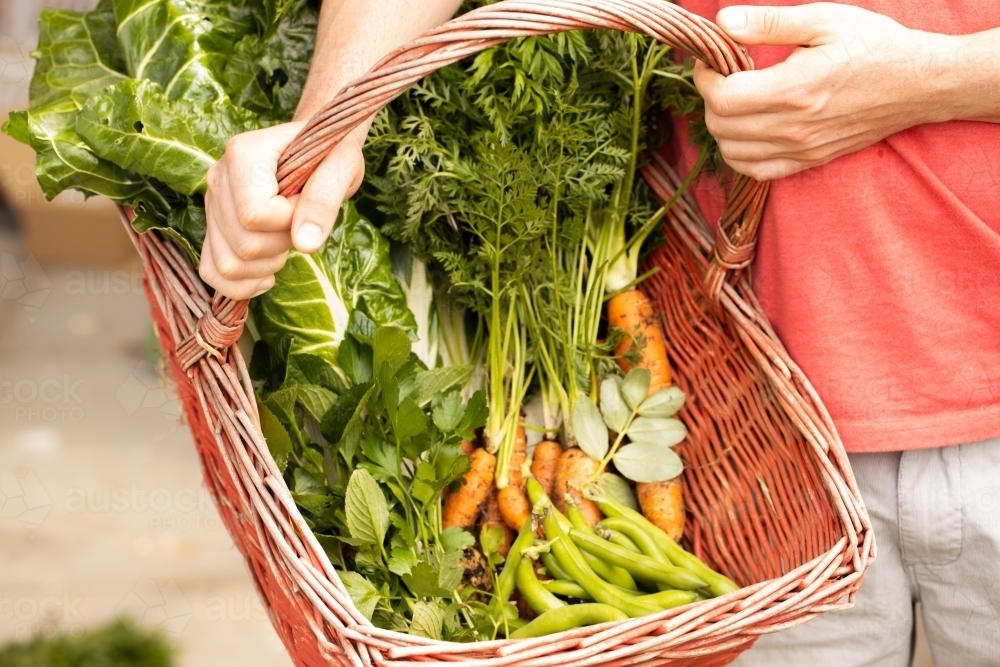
959	77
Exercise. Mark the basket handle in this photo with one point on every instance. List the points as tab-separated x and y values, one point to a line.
494	24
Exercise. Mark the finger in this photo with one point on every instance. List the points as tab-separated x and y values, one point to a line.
752	92
336	178
802	25
749	151
251	165
768	170
234	289
232	267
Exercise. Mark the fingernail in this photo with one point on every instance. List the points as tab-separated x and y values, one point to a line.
263	286
733	18
309	237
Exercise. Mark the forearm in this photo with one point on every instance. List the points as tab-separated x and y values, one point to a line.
964	77
353	35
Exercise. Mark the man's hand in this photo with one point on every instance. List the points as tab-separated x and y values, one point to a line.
857	77
251	227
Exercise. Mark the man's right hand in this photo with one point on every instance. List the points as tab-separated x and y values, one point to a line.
251	227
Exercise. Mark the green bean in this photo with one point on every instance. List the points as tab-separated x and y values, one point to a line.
638	565
717	583
508	575
537	597
569	589
553	567
535	491
576	518
645	542
670	599
567	618
572	561
621	540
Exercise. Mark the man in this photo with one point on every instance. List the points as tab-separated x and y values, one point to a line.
878	265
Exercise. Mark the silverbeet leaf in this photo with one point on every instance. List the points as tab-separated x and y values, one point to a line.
134	125
309	308
182	45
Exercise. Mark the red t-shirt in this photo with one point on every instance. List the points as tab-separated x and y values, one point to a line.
880	270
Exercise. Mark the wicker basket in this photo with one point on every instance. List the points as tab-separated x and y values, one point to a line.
772	500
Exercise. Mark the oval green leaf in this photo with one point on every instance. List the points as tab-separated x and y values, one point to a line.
663	403
366	508
618	489
646	462
613	408
589	429
635	386
661	432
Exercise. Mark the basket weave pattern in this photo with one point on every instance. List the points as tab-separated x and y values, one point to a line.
771	497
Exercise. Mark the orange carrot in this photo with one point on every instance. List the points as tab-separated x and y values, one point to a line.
663	504
493	518
544	463
468	447
517	456
574	471
515	508
461	508
632	312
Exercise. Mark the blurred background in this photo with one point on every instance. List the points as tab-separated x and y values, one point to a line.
102	509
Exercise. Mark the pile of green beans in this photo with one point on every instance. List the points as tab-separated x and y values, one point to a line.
626	568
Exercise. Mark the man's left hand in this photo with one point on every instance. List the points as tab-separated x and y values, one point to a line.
857	77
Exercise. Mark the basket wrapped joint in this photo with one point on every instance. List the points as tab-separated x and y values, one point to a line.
771	495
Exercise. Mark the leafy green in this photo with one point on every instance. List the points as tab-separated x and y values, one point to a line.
135	99
134	125
116	645
309	308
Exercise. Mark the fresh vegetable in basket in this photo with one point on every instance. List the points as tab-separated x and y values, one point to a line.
491	261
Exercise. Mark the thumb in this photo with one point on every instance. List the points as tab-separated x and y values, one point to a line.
335	179
803	25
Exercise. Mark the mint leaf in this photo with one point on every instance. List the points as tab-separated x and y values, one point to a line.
367	510
278	442
435	382
363	593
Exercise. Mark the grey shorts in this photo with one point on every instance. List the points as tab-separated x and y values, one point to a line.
936	516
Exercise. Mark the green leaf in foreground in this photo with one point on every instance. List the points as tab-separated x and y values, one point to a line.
363	592
278	442
663	403
367	510
635	386
134	125
662	432
613	408
618	489
646	462
436	381
589	428
428	618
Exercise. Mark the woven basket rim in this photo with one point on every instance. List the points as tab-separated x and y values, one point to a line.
222	411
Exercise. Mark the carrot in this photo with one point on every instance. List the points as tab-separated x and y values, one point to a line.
462	507
515	508
468	447
517	456
544	463
493	518
575	470
632	312
663	504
